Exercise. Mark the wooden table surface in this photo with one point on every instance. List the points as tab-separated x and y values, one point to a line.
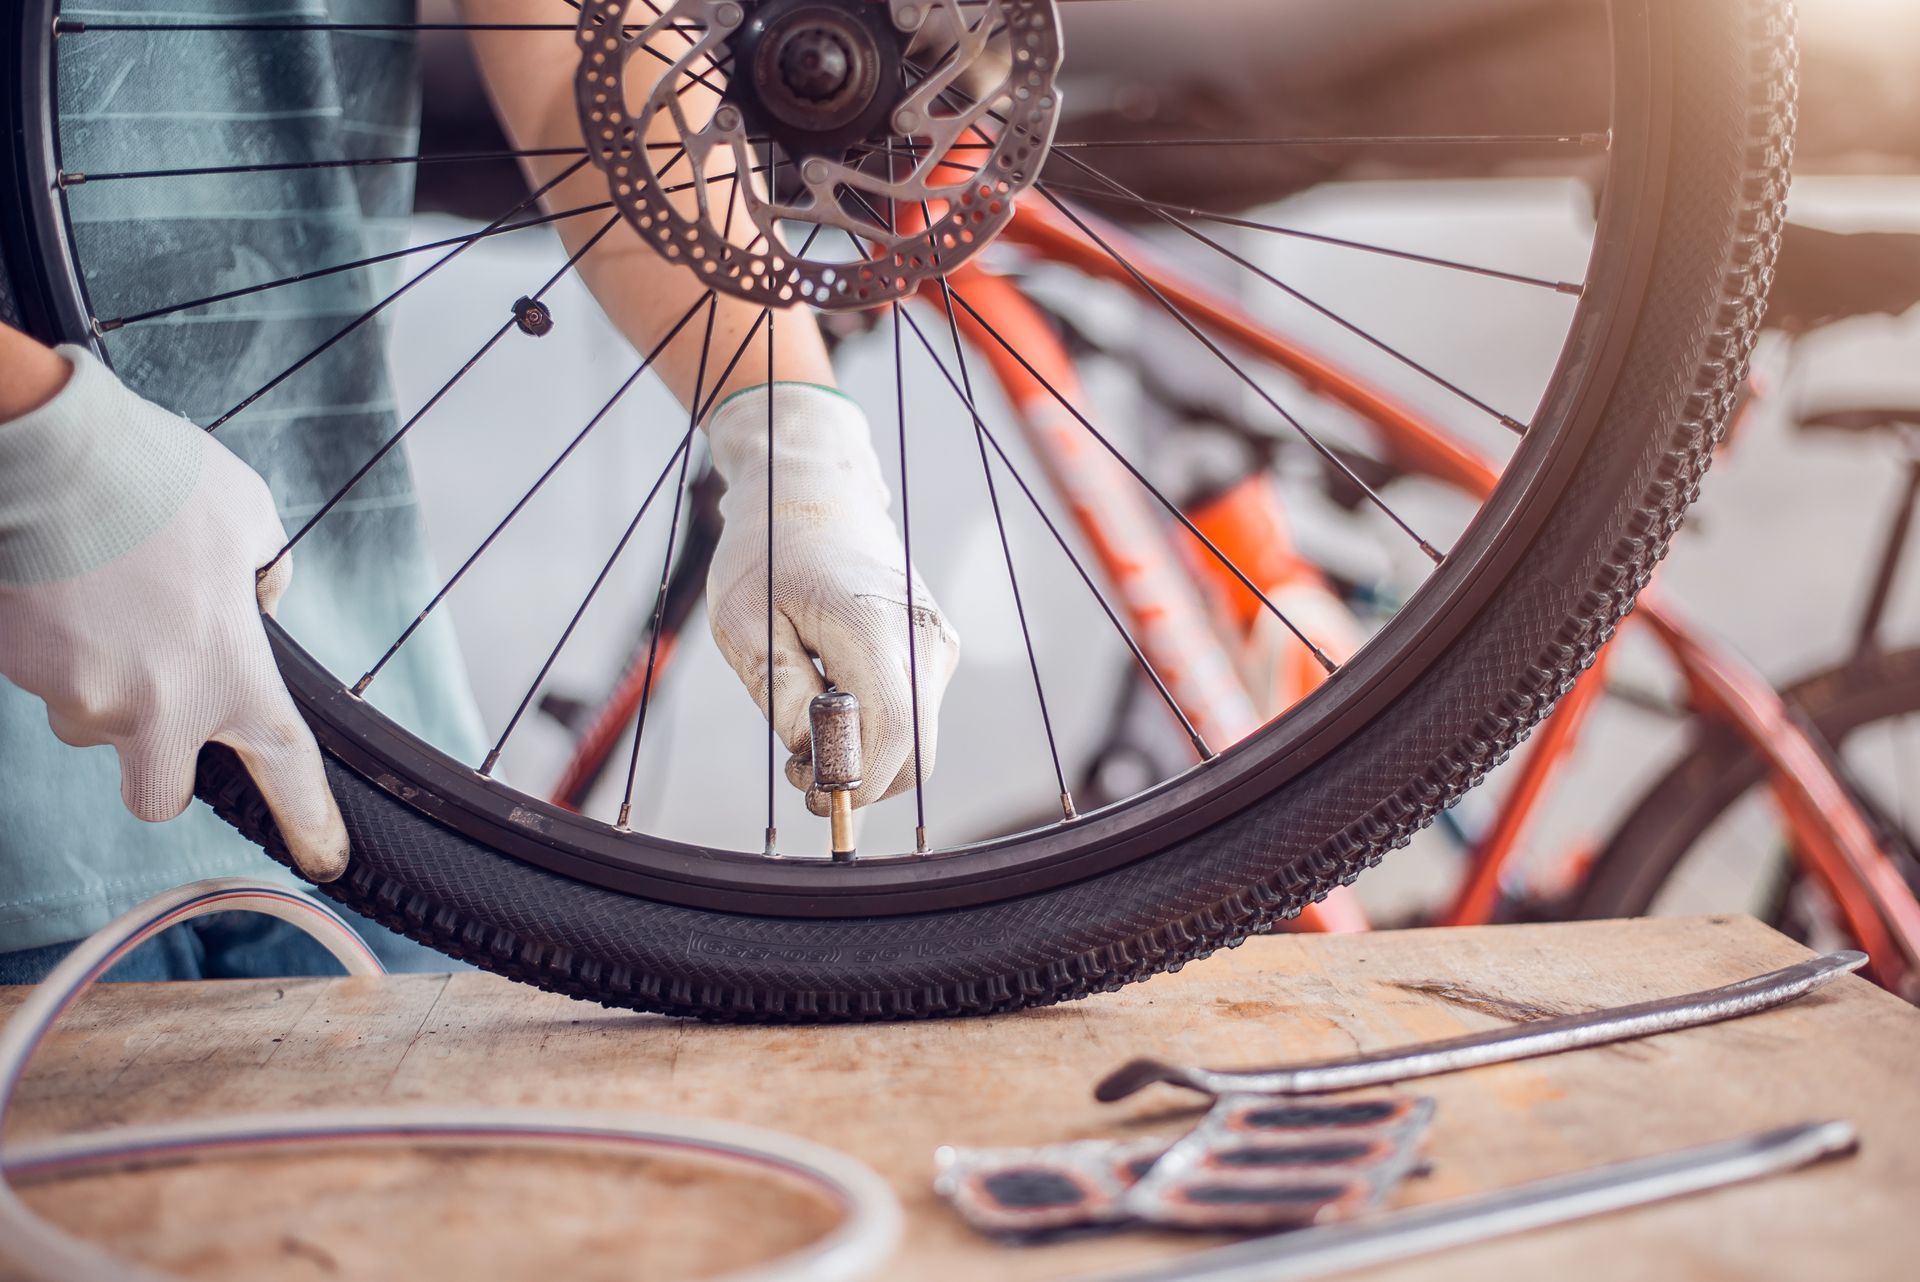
890	1095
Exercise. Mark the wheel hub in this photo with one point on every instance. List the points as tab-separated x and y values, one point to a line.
823	75
816	66
906	128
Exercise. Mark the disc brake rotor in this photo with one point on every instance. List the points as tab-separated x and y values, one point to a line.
908	125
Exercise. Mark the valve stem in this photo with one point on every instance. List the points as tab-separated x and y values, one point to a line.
837	769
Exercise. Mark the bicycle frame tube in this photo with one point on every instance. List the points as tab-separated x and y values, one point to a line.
1478	900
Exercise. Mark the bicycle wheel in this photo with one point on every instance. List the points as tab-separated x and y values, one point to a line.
1689	141
1705	830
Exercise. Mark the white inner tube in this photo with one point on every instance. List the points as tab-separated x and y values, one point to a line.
864	1240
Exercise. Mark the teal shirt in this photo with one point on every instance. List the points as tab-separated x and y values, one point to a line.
71	858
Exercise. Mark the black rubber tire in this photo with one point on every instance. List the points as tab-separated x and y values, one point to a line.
1718	769
1726	169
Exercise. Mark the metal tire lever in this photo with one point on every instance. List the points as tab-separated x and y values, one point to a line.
1338	1248
1498	1045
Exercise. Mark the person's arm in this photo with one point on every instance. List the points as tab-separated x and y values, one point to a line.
839	579
130	598
31	374
530	78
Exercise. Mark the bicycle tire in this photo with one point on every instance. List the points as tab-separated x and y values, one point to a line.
1728	70
1718	769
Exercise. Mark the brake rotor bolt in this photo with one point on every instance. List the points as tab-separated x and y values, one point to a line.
727	119
728	15
532	317
909	17
906	121
834	719
815	171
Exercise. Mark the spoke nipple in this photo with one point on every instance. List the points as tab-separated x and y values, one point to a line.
773	839
920	841
493	759
533	317
360	686
1067	813
71	179
1513	424
1432	555
67	26
102	328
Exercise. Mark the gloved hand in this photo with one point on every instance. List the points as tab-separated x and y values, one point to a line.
839	583
129	545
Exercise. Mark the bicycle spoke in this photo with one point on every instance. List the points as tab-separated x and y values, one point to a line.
679	502
906	547
360	687
773	693
1249	224
1225	561
77	27
1186	322
1253	384
387	446
1591	139
1067	811
1505	420
686	443
75	178
493	756
320	273
393	297
666	564
1320	238
1140	656
108	326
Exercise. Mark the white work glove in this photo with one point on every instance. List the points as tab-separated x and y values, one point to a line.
839	583
129	545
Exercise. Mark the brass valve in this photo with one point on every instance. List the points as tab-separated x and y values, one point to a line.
837	769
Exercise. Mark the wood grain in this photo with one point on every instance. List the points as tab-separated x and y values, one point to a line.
890	1095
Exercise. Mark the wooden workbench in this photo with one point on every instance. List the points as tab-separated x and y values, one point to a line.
890	1095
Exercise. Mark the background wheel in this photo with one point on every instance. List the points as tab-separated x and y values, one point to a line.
1712	809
